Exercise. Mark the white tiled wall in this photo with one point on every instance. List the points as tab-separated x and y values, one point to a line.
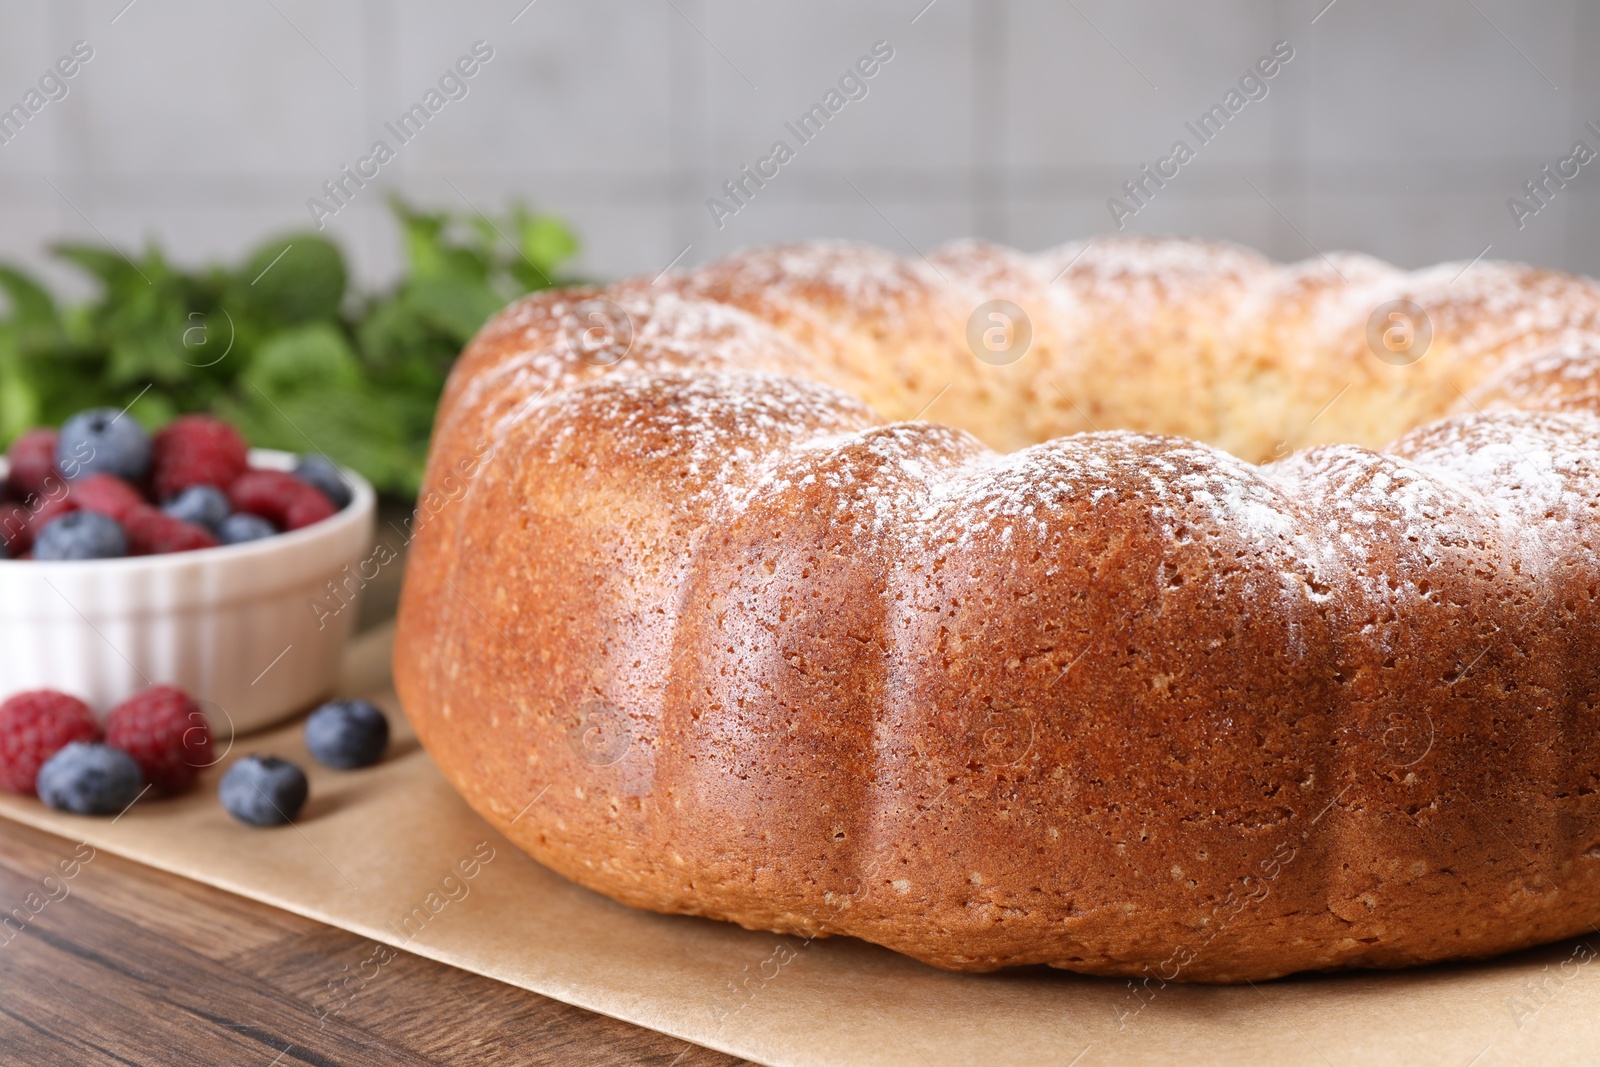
1399	128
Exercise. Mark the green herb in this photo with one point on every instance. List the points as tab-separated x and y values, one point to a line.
279	345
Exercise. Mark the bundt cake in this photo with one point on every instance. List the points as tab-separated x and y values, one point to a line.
1197	617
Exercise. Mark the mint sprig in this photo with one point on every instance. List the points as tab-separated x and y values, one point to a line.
280	344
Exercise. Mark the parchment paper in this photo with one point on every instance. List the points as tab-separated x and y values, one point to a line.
392	853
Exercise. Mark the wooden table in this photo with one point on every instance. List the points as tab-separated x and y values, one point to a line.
135	966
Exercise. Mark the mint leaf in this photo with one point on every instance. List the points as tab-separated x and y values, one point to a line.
276	343
546	242
304	358
32	306
294	279
455	306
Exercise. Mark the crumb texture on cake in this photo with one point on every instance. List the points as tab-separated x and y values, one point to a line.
1196	644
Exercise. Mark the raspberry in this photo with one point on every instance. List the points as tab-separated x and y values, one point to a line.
310	509
107	494
35	726
196	450
14	519
280	497
167	735
32	462
152	532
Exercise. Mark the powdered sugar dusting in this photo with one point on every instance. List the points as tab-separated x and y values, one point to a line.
826	272
1359	501
1563	378
723	393
1153	263
716	430
1540	470
667	331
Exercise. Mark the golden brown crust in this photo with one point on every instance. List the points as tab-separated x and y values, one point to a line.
1116	702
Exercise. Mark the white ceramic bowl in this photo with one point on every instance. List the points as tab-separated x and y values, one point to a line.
238	627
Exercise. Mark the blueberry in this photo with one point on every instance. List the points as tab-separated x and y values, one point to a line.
347	733
203	505
102	440
319	471
241	526
80	535
88	779
264	790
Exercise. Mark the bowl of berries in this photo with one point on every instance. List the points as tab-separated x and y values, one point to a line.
183	558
